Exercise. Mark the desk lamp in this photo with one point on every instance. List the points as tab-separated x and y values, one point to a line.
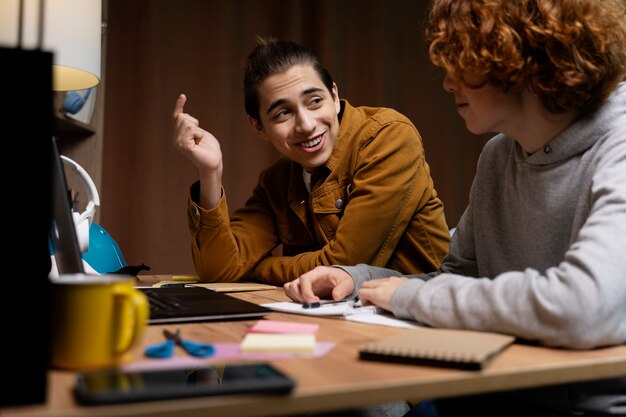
71	30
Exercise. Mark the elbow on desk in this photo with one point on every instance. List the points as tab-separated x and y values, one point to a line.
590	340
589	329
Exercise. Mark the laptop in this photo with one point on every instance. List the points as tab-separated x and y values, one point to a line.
167	304
62	235
187	303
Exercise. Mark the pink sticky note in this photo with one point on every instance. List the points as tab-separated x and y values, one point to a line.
274	326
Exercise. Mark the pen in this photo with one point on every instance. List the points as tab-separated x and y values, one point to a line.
323	302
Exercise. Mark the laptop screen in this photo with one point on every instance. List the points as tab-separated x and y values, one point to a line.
63	240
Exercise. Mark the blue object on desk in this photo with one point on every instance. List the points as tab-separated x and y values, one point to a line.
104	254
166	349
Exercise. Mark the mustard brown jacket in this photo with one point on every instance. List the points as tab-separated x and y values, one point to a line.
373	202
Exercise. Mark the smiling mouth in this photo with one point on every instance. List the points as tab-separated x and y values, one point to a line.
308	144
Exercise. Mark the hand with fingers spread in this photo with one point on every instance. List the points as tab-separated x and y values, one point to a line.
320	282
202	149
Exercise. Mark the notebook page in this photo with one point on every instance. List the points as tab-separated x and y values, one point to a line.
324	310
363	314
382	319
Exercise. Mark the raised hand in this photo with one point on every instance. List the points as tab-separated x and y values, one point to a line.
198	145
202	149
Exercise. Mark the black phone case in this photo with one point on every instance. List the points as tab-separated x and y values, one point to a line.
117	386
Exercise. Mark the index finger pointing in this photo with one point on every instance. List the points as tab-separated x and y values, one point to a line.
180	104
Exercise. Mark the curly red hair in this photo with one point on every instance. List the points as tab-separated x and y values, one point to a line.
570	53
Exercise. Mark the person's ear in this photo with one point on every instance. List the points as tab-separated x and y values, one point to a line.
257	127
335	94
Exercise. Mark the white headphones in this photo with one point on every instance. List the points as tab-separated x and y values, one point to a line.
84	220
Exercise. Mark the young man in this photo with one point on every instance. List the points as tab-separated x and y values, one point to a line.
353	184
539	251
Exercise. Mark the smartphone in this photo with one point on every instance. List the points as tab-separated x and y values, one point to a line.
119	386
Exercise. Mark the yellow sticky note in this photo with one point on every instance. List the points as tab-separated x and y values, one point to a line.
263	342
162	283
193	278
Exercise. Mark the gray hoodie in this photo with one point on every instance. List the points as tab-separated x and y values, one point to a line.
540	252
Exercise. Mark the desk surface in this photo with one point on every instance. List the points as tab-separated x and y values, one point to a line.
339	379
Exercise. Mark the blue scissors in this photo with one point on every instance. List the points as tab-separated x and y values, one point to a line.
166	349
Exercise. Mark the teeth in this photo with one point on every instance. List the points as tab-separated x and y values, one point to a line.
311	143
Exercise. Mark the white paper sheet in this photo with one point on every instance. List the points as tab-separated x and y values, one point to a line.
348	310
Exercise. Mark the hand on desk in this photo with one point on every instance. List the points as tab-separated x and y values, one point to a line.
335	283
380	291
321	282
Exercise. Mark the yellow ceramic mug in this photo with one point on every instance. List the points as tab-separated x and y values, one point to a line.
97	321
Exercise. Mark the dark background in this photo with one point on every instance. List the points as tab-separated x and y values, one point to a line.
157	49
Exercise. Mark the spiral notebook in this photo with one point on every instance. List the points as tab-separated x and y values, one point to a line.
461	349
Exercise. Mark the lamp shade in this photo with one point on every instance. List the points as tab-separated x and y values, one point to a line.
72	31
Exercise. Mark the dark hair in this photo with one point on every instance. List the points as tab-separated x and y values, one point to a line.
271	57
570	53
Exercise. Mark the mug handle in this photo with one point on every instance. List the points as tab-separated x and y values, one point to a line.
132	315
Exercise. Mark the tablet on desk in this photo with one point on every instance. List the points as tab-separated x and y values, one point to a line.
118	386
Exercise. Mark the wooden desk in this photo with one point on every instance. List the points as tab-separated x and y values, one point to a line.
339	380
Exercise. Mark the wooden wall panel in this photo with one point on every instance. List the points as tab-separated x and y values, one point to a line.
160	48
